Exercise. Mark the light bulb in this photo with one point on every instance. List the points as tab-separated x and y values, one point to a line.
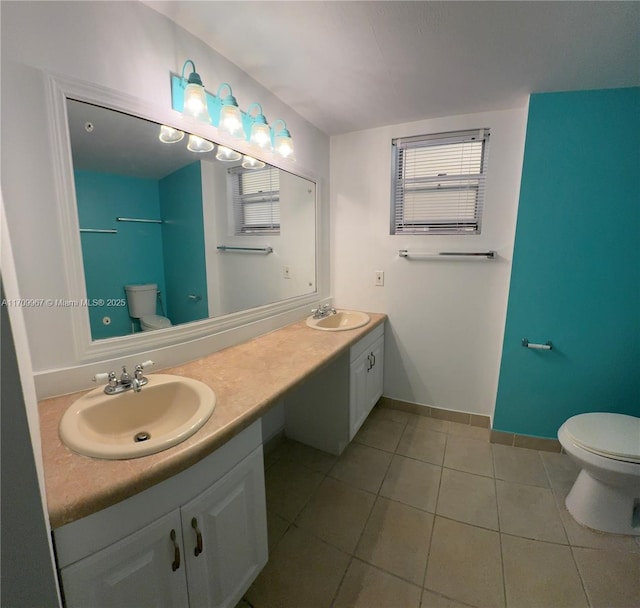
231	121
199	145
169	135
284	146
261	135
283	143
227	154
249	162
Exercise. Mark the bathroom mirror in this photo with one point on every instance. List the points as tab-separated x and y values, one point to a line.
172	236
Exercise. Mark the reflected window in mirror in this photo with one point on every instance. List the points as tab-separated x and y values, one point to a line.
255	199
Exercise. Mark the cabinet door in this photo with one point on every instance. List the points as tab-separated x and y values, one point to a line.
358	393
367	374
140	570
375	377
225	536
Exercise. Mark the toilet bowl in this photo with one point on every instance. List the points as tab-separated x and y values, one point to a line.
141	300
606	494
151	322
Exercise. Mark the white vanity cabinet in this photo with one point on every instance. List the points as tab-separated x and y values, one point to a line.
329	408
204	550
366	378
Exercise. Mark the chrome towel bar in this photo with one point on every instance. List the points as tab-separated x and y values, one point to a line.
490	255
266	250
99	230
137	219
547	346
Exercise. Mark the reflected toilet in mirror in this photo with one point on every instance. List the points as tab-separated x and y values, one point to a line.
142	303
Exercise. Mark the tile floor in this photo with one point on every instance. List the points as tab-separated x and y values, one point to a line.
421	513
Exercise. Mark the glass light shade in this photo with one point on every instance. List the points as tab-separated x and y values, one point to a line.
249	162
284	145
261	135
195	102
231	121
198	144
169	135
227	154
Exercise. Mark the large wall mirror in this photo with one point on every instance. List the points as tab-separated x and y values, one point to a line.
173	234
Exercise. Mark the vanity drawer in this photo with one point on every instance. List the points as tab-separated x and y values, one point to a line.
366	343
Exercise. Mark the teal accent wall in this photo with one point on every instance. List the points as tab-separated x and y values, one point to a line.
184	246
576	267
111	261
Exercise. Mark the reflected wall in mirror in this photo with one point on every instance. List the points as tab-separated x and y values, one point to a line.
170	236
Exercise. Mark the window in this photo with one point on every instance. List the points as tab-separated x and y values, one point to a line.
256	200
438	183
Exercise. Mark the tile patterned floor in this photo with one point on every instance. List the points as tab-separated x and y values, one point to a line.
426	513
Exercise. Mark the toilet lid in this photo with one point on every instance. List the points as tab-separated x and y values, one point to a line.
612	435
155	321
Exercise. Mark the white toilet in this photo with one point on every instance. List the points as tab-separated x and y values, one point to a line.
141	300
606	494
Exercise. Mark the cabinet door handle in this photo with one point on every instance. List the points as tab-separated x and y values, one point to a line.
369	360
176	552
373	357
198	550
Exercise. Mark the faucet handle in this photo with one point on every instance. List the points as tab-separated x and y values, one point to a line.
110	377
101	377
140	367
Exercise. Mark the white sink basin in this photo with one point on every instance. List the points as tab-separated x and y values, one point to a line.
341	321
169	409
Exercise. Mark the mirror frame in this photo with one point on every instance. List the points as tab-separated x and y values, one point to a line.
59	89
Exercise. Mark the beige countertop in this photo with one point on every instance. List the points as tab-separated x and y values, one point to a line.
247	378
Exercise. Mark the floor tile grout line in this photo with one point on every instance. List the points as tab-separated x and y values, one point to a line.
433	526
502	568
364	527
582	581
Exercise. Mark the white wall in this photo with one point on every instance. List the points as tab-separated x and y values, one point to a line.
247	280
128	48
446	317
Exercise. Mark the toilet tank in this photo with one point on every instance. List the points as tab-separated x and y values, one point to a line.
141	299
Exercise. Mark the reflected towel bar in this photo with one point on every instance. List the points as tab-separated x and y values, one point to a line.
99	231
258	249
547	346
136	219
490	255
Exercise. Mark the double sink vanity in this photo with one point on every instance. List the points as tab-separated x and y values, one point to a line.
180	518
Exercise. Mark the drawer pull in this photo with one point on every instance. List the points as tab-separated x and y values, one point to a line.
176	553
198	550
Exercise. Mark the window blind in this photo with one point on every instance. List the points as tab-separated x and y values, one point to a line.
438	183
256	200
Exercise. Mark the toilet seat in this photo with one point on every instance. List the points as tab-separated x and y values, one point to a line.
155	321
615	436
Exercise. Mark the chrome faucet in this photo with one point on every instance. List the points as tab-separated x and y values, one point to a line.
324	310
126	381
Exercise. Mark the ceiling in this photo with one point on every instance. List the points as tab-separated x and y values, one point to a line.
347	66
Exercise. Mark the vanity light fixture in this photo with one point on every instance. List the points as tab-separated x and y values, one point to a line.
199	145
189	97
249	162
169	135
260	135
227	154
282	142
230	117
195	97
